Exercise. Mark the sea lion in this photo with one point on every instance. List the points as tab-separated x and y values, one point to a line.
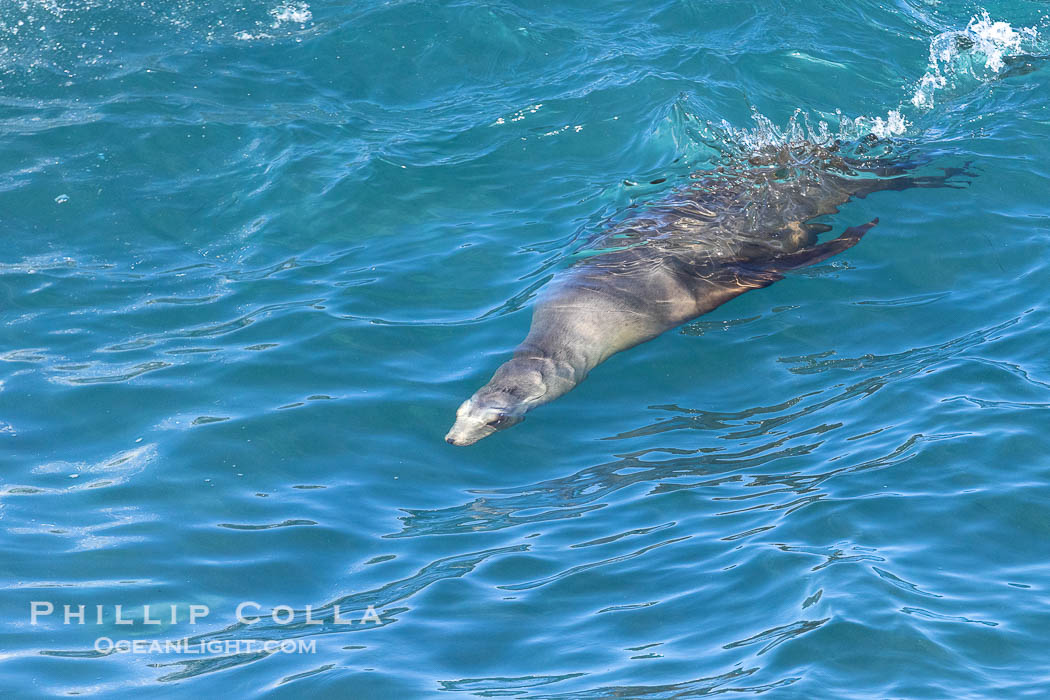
731	231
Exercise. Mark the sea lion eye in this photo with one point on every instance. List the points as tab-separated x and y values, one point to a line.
499	420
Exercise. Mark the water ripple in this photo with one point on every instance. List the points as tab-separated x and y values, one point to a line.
255	250
332	617
775	636
587	567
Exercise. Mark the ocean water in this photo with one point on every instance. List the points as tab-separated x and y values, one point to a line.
256	254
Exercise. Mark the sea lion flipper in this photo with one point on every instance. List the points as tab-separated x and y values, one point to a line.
819	253
949	179
748	276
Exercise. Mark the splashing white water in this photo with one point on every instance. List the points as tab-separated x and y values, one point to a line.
283	17
296	12
801	131
960	61
977	54
893	125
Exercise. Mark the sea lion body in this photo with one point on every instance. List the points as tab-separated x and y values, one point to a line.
682	258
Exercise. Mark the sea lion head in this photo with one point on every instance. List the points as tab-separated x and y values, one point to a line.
477	419
516	387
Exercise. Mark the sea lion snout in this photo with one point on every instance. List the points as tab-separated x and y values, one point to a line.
516	387
456	440
476	420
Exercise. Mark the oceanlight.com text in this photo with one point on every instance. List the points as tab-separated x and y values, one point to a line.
106	645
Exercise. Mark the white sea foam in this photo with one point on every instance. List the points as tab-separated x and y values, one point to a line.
801	131
977	54
248	36
283	17
295	12
960	61
893	125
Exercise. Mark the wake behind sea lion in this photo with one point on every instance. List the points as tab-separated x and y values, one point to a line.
731	231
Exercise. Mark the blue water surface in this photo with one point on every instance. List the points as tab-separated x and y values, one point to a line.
256	254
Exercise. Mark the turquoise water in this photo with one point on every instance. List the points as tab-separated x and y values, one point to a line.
256	254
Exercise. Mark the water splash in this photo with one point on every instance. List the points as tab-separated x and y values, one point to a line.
960	62
802	132
294	12
982	52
